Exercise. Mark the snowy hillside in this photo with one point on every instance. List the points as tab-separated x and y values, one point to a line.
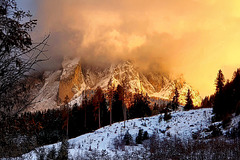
183	125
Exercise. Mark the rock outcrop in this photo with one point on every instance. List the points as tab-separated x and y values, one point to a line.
74	78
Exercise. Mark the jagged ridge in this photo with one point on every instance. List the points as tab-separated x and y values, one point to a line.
75	78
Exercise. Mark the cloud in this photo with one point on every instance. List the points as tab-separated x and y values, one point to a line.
190	37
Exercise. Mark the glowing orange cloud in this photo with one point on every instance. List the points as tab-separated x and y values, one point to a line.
193	37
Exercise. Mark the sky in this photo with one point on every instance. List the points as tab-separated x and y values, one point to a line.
195	38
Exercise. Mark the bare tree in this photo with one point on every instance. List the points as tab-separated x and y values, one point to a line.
110	97
18	57
126	87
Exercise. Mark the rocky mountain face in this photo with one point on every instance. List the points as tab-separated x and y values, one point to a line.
75	77
71	80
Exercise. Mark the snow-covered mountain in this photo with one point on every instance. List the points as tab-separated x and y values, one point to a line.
75	77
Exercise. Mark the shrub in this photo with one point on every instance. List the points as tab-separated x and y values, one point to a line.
63	151
118	142
40	153
226	121
145	135
215	131
127	138
167	116
139	137
160	119
52	154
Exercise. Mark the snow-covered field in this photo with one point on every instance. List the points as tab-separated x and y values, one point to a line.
183	125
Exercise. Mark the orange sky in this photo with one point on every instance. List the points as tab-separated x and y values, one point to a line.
192	37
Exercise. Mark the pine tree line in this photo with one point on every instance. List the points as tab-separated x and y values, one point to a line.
227	96
51	126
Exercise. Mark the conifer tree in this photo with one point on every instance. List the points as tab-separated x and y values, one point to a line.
175	102
65	114
220	82
139	137
63	151
236	93
127	138
140	106
97	101
218	107
189	103
117	105
52	153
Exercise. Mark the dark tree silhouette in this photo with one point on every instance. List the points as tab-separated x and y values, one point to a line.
218	107
63	151
189	103
175	102
208	102
65	115
124	97
140	106
110	97
220	82
236	92
97	101
18	55
117	110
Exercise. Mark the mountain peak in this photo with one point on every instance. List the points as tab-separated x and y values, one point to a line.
76	77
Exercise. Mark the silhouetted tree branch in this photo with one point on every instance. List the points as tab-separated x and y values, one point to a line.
18	57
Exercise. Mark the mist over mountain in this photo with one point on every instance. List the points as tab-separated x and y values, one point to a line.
77	75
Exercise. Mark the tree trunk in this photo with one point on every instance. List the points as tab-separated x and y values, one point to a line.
110	107
85	120
124	114
99	117
67	121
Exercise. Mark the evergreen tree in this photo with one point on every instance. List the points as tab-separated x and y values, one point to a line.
98	99
189	103
91	119
127	138
208	102
145	135
52	154
117	103
236	92
139	137
218	106
104	112
167	115
175	103
65	114
156	109
140	106
220	82
63	151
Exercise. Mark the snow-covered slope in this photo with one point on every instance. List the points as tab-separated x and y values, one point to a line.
183	125
46	97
